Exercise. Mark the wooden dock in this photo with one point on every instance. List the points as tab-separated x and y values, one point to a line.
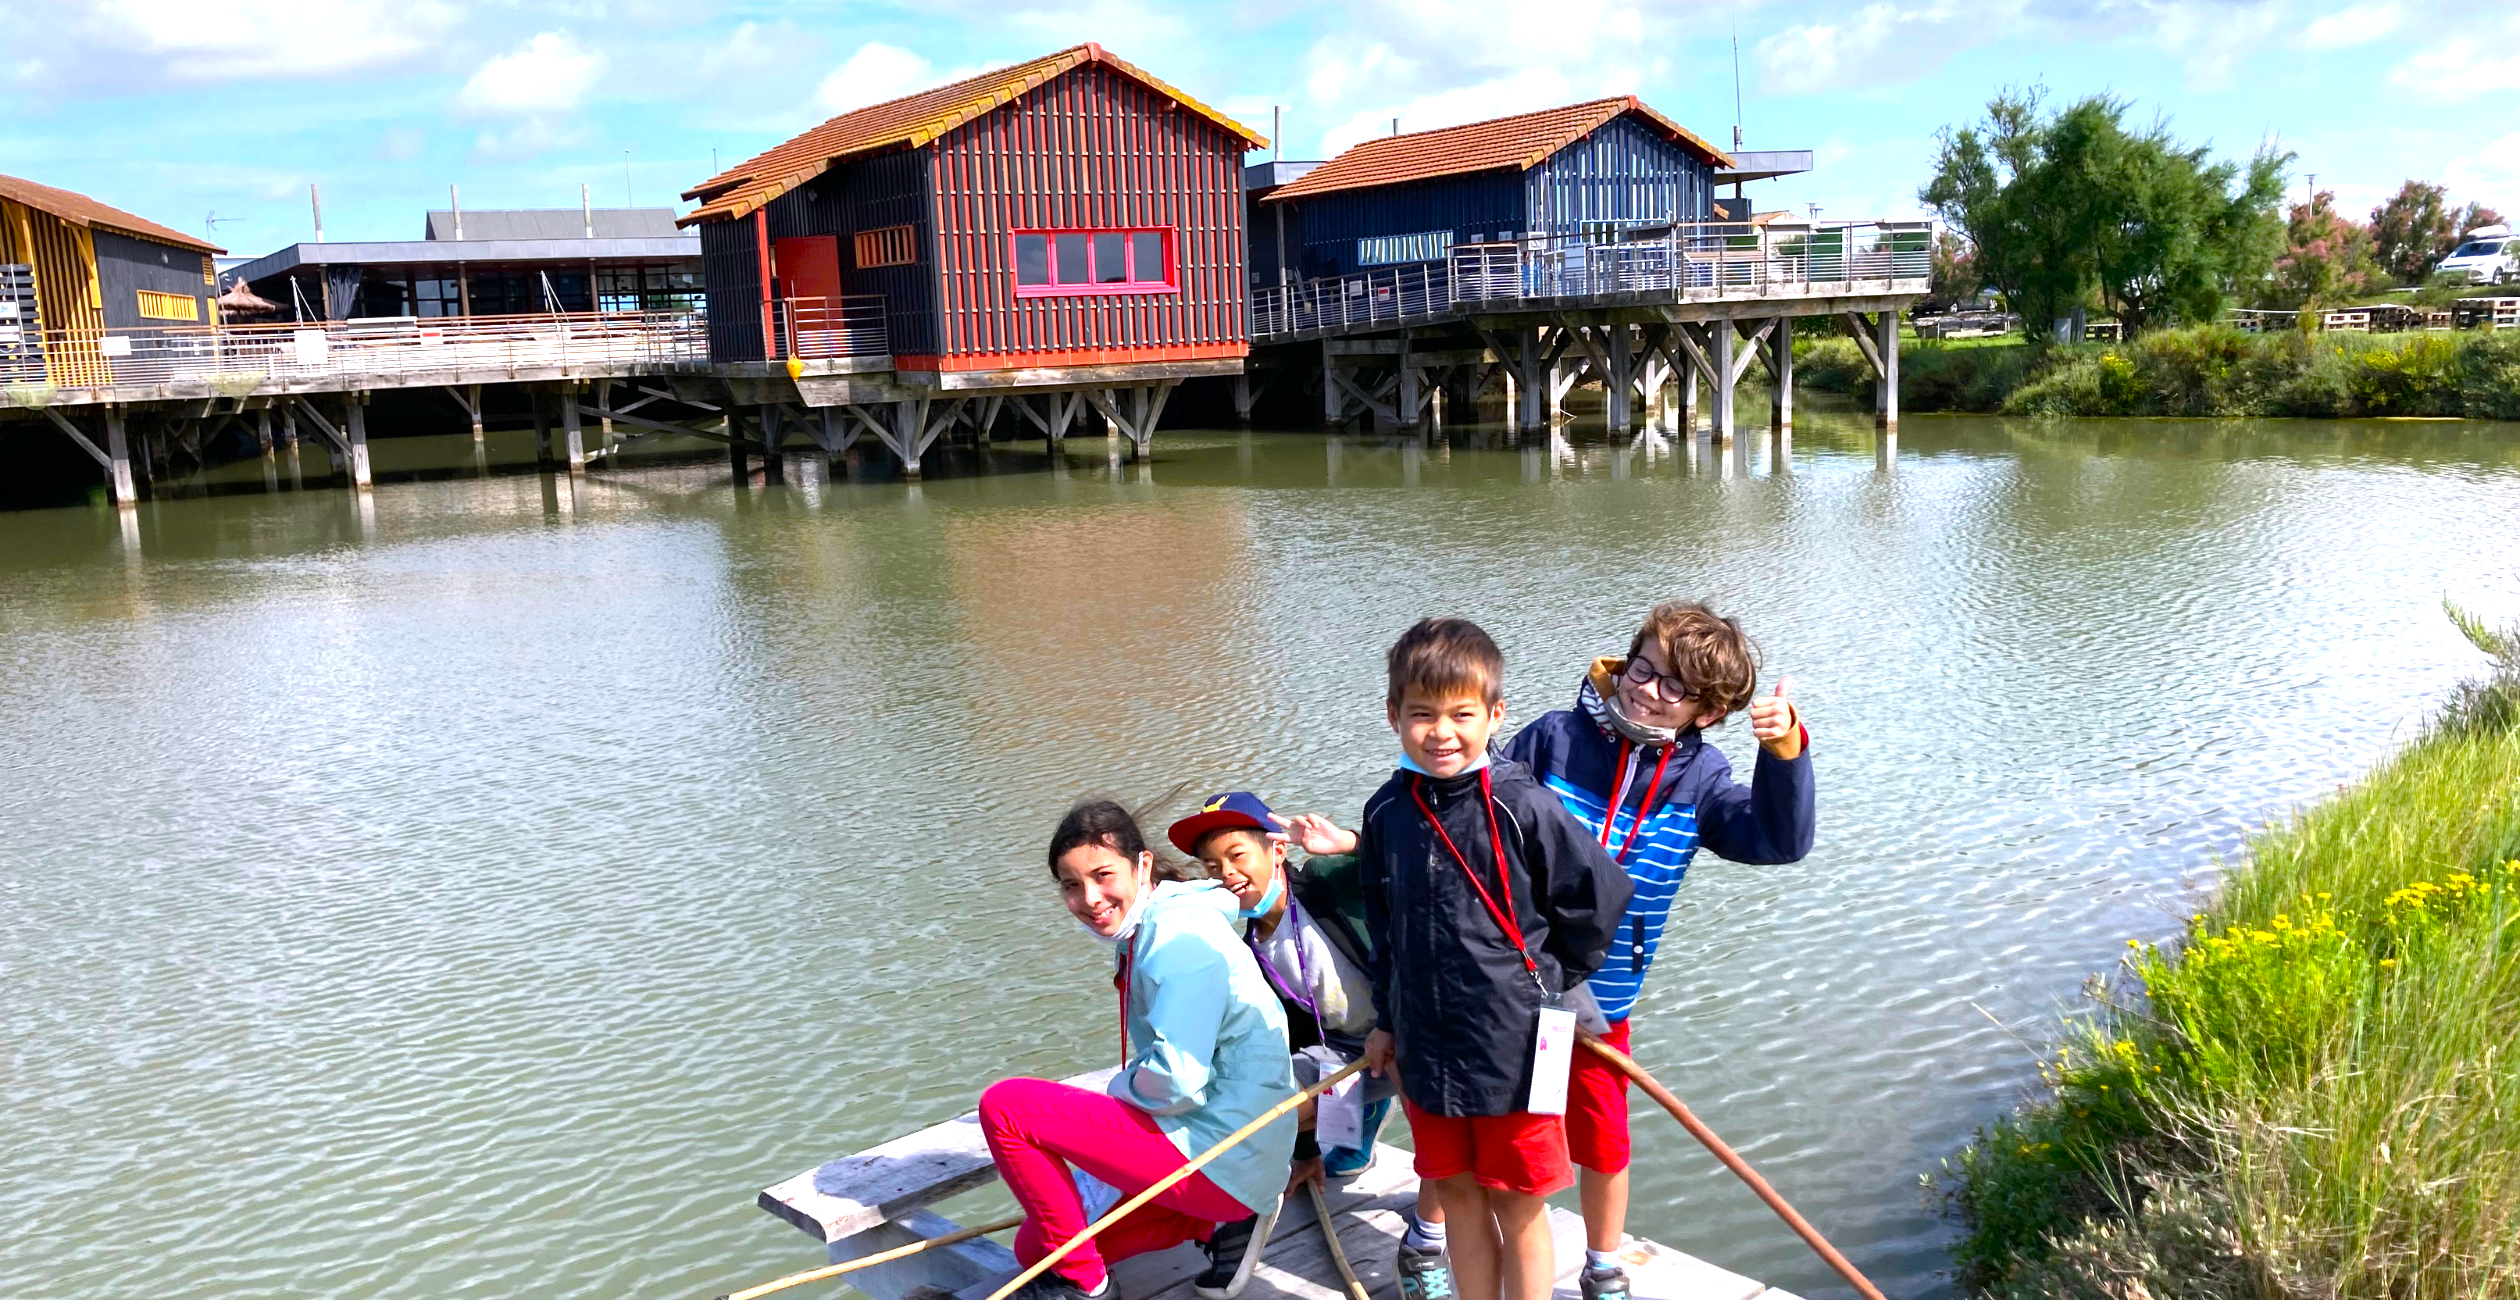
879	1198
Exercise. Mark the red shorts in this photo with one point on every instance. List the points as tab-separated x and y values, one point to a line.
1596	1108
1521	1152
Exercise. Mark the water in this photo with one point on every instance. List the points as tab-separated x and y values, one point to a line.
484	893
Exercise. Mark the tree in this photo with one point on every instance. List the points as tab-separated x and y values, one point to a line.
2326	258
1955	279
2073	209
2417	227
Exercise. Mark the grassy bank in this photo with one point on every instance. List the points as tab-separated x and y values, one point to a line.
2206	371
2317	1092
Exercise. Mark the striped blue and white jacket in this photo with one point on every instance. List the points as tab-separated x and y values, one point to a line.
1771	820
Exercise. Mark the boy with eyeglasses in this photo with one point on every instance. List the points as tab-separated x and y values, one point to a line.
1630	763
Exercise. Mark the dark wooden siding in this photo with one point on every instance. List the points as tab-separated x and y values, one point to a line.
125	266
730	268
869	194
1474	207
1623	175
1090	149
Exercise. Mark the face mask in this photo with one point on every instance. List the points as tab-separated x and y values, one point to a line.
1277	886
1128	919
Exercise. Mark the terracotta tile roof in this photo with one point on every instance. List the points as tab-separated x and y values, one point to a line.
80	210
1521	142
913	121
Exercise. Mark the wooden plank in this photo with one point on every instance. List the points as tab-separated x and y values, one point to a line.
1655	1271
854	1193
948	1267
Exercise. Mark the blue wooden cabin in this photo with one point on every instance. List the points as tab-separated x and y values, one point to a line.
1584	172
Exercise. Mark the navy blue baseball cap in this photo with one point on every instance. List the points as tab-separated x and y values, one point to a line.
1234	810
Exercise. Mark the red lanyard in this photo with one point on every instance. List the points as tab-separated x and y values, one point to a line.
1505	918
1121	982
1618	795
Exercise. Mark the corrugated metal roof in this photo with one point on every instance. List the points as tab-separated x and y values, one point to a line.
912	121
80	210
552	223
1521	142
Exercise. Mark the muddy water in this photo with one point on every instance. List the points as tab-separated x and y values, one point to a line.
483	892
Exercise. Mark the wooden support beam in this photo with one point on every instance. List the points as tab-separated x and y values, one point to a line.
542	427
1751	349
1781	366
1724	376
339	440
1886	408
1333	407
572	431
1617	377
104	461
1863	330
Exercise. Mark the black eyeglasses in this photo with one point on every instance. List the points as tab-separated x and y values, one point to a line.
1671	688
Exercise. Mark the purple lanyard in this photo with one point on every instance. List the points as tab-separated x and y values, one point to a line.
1303	963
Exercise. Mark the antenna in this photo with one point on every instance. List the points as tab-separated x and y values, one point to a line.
1277	133
1736	43
315	197
211	222
1395	126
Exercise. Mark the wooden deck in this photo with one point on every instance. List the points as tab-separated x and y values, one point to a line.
877	1199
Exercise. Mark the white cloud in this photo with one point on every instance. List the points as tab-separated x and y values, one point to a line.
875	73
2473	62
549	74
2355	25
1532	88
2211	37
1880	44
95	45
2490	176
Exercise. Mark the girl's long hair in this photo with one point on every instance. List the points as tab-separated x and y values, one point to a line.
1105	821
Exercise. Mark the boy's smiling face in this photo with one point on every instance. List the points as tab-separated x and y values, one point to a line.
1246	860
1644	695
1445	734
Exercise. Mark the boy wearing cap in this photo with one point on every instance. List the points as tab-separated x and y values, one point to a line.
1307	927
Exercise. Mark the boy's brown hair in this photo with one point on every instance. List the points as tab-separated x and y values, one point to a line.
1709	652
1443	657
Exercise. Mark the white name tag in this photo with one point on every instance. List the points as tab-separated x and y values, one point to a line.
1552	1055
1339	1122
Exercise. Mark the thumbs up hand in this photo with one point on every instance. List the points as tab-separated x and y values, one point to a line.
1774	720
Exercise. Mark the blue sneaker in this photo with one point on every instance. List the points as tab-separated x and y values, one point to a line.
1348	1162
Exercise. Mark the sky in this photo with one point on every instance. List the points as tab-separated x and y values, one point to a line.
181	110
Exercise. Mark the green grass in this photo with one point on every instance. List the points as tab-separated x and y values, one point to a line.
2205	371
2318	1091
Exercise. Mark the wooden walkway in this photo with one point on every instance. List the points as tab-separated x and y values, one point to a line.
877	1199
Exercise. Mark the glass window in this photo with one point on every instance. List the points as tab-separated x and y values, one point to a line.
1146	265
1072	260
1111	258
1032	259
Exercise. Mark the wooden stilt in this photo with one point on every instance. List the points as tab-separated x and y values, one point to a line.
1618	381
355	430
1781	358
1723	359
542	428
572	430
1886	411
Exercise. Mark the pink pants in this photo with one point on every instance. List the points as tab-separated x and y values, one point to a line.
1037	1129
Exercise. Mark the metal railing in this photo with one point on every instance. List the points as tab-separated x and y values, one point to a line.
237	359
1710	259
851	326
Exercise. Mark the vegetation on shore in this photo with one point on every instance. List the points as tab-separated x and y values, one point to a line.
2208	370
2316	1093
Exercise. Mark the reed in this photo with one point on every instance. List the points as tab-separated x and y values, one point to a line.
2317	1092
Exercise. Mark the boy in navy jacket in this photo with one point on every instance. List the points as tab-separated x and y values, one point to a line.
1629	762
1484	901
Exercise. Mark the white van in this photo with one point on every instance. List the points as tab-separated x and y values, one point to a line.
2489	255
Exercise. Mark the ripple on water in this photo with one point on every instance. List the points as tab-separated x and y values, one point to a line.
489	904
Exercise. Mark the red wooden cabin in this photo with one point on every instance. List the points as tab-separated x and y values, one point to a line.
1070	223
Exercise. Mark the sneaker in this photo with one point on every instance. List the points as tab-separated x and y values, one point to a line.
1423	1275
1054	1285
1604	1283
1232	1250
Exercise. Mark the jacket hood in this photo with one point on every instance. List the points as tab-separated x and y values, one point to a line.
1598	699
1209	894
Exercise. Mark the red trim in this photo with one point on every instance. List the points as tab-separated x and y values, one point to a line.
1171	283
761	244
1073	357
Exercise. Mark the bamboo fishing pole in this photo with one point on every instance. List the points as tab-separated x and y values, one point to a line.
1198	1162
869	1261
1706	1136
1330	1234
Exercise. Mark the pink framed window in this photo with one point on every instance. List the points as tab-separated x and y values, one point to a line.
1056	263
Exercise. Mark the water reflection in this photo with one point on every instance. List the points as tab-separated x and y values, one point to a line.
381	863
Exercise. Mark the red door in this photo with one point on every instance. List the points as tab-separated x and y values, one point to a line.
808	266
